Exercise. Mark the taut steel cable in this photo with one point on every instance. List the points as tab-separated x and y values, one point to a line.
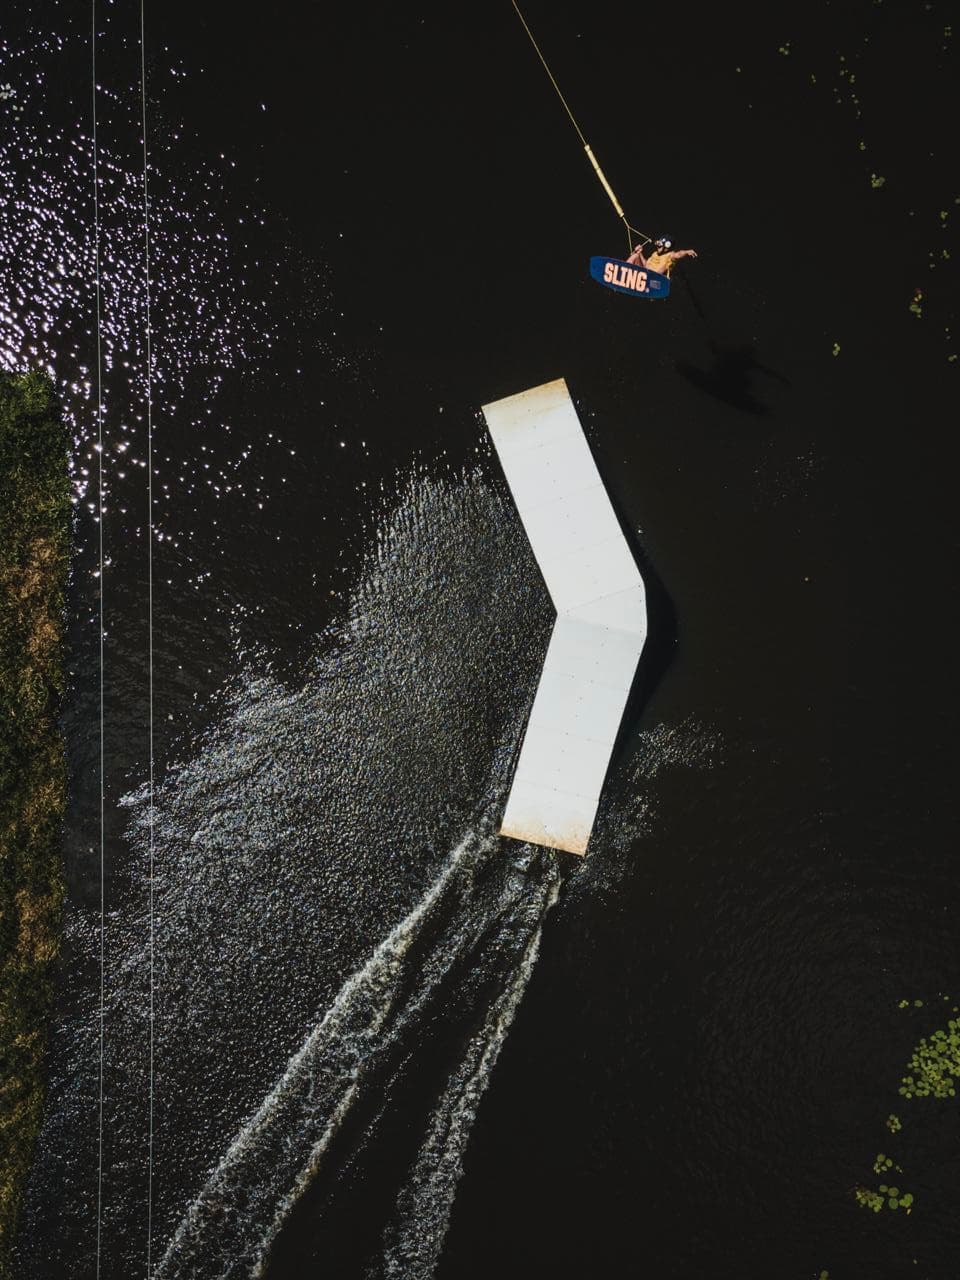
150	891
99	446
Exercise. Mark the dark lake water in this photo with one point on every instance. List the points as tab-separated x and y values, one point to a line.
387	1044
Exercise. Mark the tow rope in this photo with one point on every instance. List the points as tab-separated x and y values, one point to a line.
631	231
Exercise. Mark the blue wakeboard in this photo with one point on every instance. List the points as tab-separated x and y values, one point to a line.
614	273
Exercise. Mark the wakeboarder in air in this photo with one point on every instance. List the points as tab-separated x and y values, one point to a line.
645	277
662	258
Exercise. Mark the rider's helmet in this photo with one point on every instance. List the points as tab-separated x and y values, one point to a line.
663	244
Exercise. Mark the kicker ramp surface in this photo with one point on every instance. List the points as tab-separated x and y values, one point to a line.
601	624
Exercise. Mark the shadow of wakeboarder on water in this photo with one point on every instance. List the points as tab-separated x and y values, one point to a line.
731	374
731	377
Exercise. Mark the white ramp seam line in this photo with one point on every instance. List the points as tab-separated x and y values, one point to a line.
552	498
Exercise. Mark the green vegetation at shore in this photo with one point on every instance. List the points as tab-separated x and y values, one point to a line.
34	557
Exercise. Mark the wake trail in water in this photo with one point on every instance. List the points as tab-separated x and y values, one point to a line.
472	912
414	1239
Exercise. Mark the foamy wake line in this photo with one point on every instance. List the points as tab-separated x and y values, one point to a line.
228	1229
414	1239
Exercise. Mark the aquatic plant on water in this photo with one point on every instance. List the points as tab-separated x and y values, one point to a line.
34	554
934	1068
934	1065
884	1196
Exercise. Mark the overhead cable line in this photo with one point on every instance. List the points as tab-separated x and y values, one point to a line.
100	616
631	231
149	407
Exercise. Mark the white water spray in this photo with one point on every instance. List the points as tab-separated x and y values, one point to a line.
230	1225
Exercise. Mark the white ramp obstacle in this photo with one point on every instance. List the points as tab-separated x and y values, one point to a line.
601	624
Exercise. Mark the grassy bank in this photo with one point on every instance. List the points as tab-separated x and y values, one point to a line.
34	553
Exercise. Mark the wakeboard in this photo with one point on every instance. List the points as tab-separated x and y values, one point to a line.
626	278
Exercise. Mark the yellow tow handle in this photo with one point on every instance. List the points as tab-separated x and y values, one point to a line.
606	185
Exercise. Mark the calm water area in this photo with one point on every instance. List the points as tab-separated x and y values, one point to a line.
385	1043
